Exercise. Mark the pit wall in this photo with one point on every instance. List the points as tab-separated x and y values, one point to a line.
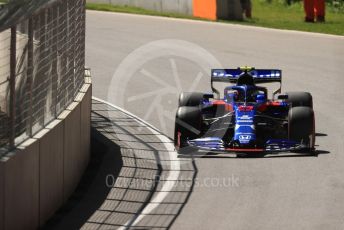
42	173
207	9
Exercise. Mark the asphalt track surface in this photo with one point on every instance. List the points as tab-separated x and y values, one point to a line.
275	192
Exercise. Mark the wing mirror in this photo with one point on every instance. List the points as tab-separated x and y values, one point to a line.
283	97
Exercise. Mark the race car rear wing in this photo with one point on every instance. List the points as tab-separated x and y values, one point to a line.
259	76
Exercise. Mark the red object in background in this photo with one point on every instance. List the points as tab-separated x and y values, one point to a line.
314	9
205	9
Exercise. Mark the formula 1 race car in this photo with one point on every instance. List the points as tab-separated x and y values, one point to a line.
244	121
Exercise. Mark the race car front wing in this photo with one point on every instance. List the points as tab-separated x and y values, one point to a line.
271	146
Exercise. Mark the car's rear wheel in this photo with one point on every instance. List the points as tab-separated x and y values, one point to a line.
301	127
300	99
190	99
187	126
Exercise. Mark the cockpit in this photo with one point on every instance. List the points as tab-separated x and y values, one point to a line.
245	94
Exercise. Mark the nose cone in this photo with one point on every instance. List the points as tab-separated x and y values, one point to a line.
245	139
245	132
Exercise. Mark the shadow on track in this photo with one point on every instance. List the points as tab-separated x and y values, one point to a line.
125	179
321	135
92	190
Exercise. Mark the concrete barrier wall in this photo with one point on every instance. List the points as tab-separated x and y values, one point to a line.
167	6
209	9
22	187
86	106
71	160
2	195
51	169
42	173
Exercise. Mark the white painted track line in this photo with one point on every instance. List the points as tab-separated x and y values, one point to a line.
173	175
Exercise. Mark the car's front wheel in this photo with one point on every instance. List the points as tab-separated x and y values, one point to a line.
301	127
187	126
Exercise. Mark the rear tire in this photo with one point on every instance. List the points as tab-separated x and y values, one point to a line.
302	126
300	99
190	99
187	126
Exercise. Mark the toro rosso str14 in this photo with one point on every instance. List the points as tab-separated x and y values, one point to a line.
245	121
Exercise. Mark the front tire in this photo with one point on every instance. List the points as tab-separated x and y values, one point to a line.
301	127
187	126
